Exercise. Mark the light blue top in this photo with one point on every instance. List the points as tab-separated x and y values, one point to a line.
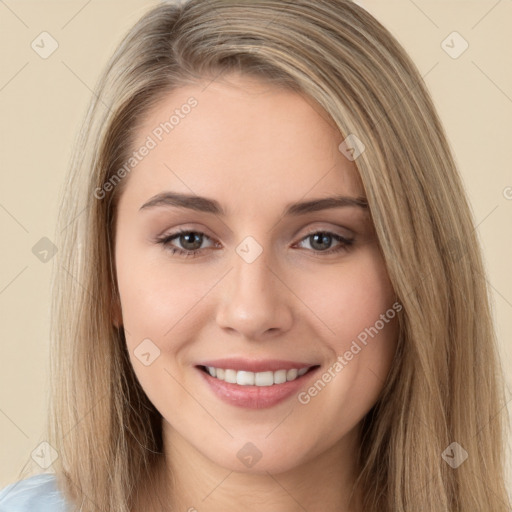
37	493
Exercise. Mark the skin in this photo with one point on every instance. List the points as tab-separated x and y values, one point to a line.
254	148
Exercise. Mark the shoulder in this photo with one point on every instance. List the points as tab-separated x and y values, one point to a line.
37	493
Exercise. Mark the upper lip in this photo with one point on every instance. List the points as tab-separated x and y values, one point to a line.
255	365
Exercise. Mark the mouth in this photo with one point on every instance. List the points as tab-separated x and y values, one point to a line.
255	390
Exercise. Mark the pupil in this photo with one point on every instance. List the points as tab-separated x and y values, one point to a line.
324	238
195	237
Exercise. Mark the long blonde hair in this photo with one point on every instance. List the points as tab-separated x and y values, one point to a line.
446	384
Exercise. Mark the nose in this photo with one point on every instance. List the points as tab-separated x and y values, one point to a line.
255	300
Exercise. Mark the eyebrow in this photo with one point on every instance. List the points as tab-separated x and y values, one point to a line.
203	204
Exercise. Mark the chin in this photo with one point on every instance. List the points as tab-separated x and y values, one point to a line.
258	457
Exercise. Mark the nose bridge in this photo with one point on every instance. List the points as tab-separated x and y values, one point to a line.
254	299
252	272
252	278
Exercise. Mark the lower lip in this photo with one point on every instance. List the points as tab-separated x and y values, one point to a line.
255	397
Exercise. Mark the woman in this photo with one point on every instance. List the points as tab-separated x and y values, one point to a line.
270	295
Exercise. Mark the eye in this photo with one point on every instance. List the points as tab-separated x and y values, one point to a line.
191	242
319	240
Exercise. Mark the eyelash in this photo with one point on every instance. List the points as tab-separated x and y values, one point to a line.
345	243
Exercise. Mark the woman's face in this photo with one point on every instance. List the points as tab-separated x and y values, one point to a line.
271	288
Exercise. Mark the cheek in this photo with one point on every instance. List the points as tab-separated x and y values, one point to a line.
154	293
350	298
352	304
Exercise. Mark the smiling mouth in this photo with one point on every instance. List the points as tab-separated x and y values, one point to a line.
260	379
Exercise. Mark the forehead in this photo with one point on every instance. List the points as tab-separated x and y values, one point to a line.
240	137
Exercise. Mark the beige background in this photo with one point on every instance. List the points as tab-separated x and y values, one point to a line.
43	100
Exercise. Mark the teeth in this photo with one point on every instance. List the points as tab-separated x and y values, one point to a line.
292	374
230	376
244	378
